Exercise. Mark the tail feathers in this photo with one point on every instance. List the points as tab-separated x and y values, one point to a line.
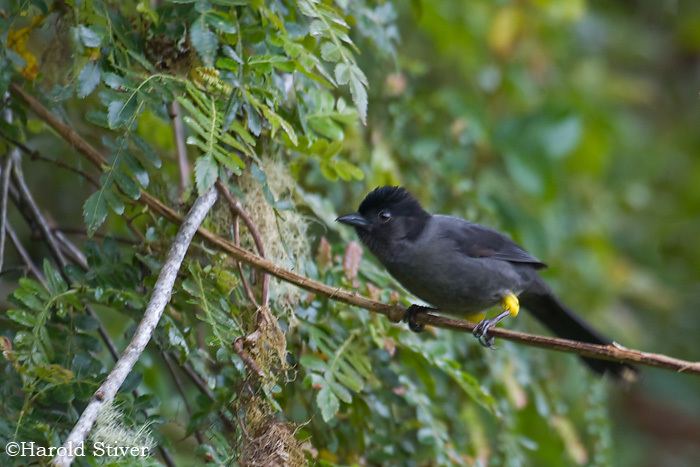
563	322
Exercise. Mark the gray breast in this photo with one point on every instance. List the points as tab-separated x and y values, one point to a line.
436	272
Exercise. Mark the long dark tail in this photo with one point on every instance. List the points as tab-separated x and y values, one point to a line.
546	307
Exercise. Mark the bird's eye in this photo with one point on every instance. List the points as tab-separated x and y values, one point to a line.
385	216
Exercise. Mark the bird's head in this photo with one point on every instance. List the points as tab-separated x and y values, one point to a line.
387	213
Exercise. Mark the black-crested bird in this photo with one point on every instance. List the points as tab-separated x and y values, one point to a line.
462	268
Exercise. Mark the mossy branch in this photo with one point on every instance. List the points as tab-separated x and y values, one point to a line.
395	313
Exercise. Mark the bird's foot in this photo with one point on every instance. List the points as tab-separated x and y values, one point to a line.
410	317
481	332
510	306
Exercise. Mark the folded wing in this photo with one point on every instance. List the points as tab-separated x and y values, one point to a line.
481	242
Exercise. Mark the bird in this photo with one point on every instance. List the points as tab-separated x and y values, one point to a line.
463	269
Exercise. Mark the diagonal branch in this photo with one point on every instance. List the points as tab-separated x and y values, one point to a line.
3	202
394	312
25	255
175	113
159	298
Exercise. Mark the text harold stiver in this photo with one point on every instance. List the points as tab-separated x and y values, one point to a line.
97	449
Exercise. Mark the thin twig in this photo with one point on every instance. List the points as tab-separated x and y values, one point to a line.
159	298
7	113
26	194
246	285
83	233
181	389
183	163
3	202
24	255
198	381
73	251
34	155
204	389
245	356
394	312
237	210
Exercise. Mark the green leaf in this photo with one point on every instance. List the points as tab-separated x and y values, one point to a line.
126	184
120	112
359	96
113	81
220	22
97	118
206	173
22	317
328	171
276	121
312	362
88	36
340	391
225	63
231	162
28	299
147	151
330	51
114	202
325	126
346	170
54	280
230	53
342	73
86	323
136	169
95	211
328	403
88	79
204	41
317	27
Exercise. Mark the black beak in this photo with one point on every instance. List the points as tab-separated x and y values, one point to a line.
355	219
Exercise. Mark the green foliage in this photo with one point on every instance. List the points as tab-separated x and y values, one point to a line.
537	117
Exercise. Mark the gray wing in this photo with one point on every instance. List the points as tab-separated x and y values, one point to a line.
481	242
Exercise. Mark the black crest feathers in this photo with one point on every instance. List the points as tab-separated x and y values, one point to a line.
394	198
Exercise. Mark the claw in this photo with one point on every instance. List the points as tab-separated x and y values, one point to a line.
410	317
487	341
481	331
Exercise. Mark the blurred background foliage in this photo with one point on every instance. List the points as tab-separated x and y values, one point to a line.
570	124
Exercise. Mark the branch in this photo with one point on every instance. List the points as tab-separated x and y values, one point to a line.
159	298
3	201
26	194
34	155
394	312
62	231
175	113
5	187
238	211
246	286
181	389
24	255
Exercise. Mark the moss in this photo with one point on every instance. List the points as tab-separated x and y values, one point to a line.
111	429
268	441
283	232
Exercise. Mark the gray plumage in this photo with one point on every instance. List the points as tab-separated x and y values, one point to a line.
462	268
447	249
